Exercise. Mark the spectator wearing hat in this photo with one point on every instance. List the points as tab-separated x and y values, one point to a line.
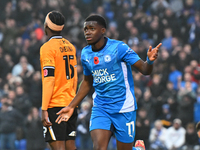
175	136
157	136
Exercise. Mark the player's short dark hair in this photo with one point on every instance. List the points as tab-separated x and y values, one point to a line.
57	17
98	18
198	126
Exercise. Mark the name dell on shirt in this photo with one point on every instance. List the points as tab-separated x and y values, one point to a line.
102	76
65	49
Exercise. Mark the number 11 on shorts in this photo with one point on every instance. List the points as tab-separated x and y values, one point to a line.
131	128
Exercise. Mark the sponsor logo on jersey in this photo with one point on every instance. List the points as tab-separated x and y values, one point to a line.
88	60
96	60
129	51
102	76
107	58
45	62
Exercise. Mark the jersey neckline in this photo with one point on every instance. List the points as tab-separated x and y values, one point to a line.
97	50
55	37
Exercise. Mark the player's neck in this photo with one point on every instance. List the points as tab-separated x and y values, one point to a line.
99	44
51	35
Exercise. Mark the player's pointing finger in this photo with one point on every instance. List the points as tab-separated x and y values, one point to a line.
159	45
58	113
58	118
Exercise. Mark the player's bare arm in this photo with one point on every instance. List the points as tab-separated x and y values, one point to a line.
145	67
66	112
48	85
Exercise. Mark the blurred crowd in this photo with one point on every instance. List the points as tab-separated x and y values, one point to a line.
168	99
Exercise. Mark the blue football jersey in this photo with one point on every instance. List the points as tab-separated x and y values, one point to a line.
112	75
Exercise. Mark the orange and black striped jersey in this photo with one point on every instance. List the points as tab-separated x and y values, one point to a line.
58	61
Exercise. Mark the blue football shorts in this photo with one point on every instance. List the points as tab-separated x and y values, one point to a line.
121	124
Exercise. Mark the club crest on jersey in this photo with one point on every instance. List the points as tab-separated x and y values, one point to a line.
96	60
107	58
45	72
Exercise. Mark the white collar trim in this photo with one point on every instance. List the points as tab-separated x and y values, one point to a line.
56	37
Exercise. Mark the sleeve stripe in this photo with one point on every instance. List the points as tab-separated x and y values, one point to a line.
48	67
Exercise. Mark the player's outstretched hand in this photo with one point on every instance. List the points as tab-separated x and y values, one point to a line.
153	53
64	114
45	120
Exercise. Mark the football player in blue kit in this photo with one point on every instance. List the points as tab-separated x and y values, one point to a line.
107	67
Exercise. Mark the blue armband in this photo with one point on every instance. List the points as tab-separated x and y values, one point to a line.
149	61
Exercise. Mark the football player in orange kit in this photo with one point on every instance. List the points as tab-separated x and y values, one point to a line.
59	83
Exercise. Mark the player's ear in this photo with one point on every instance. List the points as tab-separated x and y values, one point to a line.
45	25
103	30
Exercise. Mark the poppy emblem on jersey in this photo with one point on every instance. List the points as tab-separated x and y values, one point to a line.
45	72
107	58
96	60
